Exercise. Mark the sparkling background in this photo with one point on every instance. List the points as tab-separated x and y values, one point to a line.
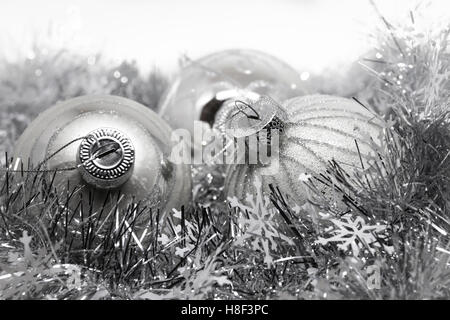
310	35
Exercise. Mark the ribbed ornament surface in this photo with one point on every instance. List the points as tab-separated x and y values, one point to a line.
319	128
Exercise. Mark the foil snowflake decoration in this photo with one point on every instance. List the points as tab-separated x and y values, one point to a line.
353	234
257	224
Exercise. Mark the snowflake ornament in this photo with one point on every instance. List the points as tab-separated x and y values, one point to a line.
352	234
257	226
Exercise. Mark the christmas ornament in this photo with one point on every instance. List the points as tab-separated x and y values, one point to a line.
203	85
312	131
106	144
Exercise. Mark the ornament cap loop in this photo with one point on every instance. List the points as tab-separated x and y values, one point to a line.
243	117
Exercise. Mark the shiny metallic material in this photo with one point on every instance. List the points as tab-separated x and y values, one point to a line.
245	116
121	147
106	157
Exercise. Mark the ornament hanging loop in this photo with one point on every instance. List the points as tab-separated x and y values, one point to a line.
237	104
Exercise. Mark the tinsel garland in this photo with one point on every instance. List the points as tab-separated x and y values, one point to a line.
395	223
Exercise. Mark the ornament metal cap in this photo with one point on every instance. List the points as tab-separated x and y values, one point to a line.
106	158
249	115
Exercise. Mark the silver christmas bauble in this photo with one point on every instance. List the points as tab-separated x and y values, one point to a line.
107	144
318	128
200	89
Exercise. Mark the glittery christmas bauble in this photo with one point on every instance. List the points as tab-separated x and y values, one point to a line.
317	129
106	144
202	86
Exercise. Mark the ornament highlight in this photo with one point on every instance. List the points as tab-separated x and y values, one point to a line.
106	145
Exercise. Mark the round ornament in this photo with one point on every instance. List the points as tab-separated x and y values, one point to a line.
106	144
201	88
316	129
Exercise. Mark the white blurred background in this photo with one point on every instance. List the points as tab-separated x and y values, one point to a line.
311	35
